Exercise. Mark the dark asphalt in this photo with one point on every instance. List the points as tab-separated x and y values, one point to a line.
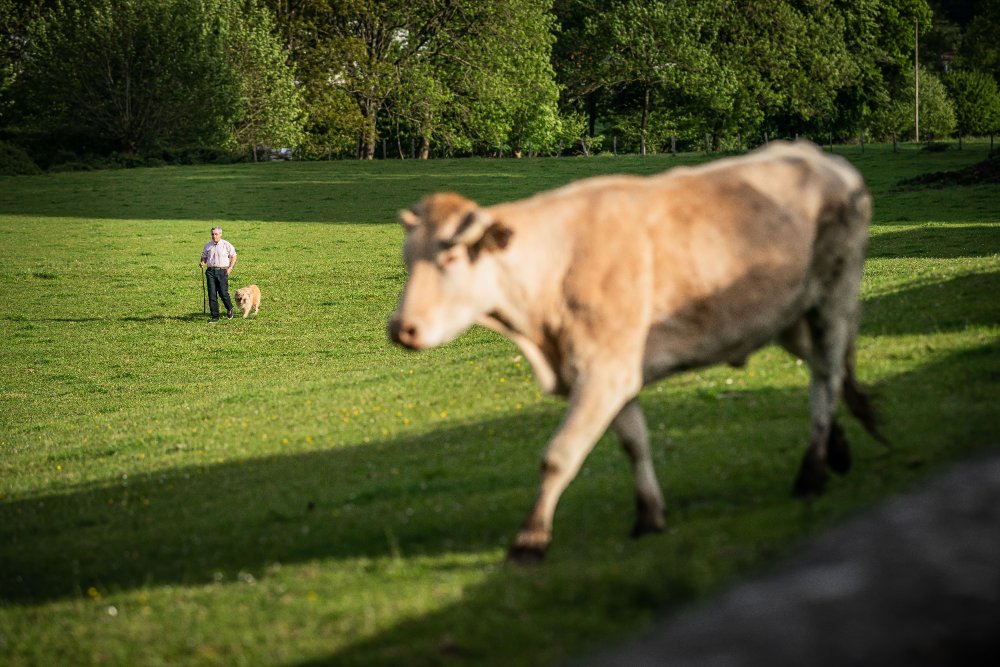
916	582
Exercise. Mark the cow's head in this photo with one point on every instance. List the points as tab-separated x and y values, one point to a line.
450	254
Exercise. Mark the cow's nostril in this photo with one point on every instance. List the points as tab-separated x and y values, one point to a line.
402	334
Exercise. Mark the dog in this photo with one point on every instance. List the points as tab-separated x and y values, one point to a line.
248	297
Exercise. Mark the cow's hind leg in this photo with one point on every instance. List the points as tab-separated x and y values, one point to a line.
858	401
822	342
630	427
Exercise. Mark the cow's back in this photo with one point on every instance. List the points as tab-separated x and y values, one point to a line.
743	247
712	260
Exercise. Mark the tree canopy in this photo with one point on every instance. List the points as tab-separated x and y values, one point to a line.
374	78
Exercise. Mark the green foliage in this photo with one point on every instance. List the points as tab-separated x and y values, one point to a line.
937	113
461	77
454	75
730	68
270	101
137	75
980	48
976	100
127	75
14	161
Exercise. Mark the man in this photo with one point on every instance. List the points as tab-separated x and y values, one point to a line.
219	256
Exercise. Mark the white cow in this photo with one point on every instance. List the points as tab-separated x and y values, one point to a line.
612	283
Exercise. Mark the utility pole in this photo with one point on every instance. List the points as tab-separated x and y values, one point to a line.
916	80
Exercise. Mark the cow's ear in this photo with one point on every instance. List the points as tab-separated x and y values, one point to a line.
497	236
495	239
408	219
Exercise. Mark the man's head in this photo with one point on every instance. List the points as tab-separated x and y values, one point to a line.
216	234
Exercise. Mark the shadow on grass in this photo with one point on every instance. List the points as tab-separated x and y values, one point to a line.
189	523
572	605
938	242
952	305
81	320
332	192
432	494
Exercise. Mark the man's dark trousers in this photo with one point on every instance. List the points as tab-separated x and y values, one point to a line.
218	284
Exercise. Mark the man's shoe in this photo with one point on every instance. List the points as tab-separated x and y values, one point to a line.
229	314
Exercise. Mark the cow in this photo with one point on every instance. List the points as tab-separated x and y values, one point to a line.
611	283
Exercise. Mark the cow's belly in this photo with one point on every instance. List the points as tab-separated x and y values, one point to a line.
721	330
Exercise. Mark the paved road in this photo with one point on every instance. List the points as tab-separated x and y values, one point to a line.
914	583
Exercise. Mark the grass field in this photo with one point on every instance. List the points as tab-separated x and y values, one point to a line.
292	490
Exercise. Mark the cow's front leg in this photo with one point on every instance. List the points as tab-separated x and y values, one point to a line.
593	403
630	427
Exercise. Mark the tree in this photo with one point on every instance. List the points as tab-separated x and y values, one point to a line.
653	47
502	79
140	75
980	48
787	62
15	18
270	100
466	71
937	114
125	74
976	100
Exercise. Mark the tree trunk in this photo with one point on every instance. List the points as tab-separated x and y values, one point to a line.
645	122
591	114
368	135
425	148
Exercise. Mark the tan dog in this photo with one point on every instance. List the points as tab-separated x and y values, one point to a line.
248	297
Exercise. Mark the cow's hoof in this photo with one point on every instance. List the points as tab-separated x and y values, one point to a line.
529	547
811	480
646	524
525	555
838	451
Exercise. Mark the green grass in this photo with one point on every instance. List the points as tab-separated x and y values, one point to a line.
291	489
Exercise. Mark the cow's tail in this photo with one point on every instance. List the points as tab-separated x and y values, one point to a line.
858	400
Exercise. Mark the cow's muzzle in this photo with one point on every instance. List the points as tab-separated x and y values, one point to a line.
404	334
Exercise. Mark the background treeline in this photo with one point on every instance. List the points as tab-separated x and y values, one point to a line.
148	81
